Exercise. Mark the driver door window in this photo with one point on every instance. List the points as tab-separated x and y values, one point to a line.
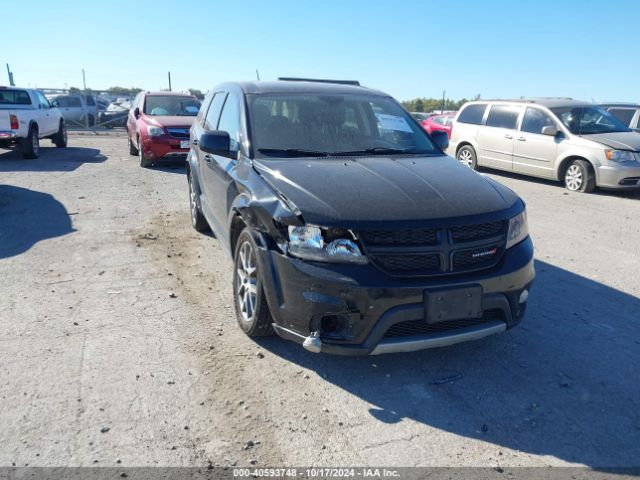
230	121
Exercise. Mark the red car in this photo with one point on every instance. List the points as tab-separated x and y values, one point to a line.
158	126
439	122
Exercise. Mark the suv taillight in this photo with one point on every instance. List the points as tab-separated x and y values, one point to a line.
14	122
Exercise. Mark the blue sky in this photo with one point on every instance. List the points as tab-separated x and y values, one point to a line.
584	49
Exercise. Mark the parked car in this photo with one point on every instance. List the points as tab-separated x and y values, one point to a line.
26	116
560	139
79	110
627	113
158	126
350	230
439	123
115	115
420	116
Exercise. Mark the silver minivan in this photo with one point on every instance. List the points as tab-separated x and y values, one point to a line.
556	138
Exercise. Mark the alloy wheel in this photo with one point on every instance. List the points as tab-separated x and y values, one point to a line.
573	178
465	157
247	282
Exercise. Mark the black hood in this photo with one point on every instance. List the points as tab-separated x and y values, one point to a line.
366	191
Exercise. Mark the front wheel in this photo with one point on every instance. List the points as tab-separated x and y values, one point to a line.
579	177
467	156
252	311
132	148
60	139
144	161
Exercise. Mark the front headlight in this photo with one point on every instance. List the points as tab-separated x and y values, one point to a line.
518	229
620	155
324	245
155	131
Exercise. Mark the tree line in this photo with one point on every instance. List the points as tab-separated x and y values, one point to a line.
425	104
133	91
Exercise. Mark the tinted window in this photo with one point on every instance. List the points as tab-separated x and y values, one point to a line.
472	114
230	121
625	115
90	101
534	120
337	124
503	116
185	106
14	97
61	102
211	122
74	102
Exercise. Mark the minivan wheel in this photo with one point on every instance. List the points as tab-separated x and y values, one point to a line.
197	219
579	177
252	311
467	156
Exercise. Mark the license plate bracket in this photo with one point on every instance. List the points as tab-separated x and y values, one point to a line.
457	303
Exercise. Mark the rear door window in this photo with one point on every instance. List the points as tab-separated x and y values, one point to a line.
74	102
472	114
503	116
625	115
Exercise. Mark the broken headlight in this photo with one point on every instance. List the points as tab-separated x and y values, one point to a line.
518	229
324	244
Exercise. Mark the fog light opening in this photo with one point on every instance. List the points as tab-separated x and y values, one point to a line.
523	296
331	324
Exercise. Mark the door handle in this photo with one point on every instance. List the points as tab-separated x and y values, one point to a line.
508	136
194	141
522	139
208	158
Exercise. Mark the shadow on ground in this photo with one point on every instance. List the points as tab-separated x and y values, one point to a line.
564	383
27	217
171	167
51	159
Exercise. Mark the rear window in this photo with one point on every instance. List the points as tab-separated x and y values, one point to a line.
503	116
14	97
472	114
625	115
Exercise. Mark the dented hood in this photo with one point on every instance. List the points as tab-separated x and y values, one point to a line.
361	191
619	140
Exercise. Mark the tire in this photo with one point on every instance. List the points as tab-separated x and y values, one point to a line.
197	219
30	146
144	162
60	138
252	311
579	177
467	156
132	148
92	121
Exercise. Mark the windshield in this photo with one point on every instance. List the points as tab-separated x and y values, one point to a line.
171	105
348	124
586	120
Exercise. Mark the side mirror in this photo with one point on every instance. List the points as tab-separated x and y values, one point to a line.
441	139
136	112
550	130
216	142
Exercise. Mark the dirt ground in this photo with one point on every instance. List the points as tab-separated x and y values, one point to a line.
119	346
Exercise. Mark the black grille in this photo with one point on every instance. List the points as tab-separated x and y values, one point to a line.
399	237
409	263
470	233
412	328
178	132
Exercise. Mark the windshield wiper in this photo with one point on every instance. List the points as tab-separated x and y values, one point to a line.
381	151
292	152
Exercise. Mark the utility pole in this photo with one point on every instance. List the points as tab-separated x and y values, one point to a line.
84	80
443	93
257	74
10	73
169	73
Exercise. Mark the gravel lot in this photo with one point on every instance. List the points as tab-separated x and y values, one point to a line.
118	341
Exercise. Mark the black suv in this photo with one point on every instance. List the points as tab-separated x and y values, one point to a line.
350	230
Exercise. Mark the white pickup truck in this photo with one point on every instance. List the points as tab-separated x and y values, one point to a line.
26	116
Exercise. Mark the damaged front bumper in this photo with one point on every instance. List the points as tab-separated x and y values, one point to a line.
359	310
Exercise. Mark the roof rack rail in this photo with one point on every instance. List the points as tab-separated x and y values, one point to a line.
320	80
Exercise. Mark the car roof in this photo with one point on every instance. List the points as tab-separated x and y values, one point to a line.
164	94
549	102
298	86
620	104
